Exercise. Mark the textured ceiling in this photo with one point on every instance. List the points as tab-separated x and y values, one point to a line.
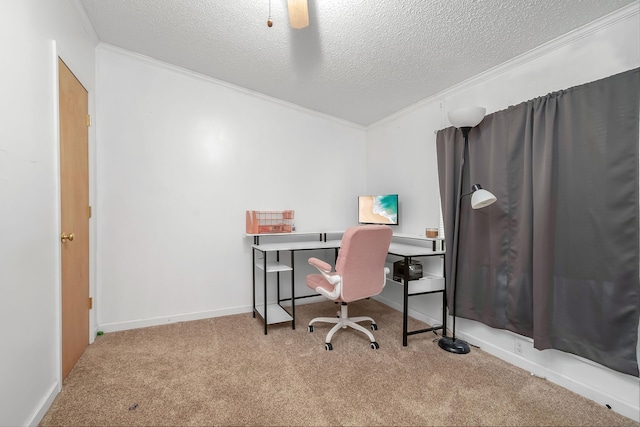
358	60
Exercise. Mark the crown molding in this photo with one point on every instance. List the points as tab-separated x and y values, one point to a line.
211	80
86	22
612	18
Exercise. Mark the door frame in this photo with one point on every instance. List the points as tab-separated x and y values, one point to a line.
58	52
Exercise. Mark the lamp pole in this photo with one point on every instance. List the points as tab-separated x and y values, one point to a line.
480	198
464	119
453	345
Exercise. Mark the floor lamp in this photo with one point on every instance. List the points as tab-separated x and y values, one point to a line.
465	119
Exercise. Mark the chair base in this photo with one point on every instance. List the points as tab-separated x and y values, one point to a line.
343	321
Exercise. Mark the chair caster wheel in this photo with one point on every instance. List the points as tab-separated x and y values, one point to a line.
374	345
310	328
328	346
374	327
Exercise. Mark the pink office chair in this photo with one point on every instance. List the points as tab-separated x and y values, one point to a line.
360	273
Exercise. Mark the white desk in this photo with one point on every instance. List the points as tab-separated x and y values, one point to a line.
276	313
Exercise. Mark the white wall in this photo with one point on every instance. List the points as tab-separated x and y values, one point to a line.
605	47
180	159
33	33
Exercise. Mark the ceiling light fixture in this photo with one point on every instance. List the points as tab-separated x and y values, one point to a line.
298	14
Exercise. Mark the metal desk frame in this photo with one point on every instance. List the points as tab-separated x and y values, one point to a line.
291	247
407	252
403	250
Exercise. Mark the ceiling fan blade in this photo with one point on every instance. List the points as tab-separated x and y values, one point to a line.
298	13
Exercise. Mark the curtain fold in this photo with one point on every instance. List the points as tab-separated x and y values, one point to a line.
556	258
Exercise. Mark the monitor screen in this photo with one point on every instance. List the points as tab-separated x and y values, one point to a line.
380	209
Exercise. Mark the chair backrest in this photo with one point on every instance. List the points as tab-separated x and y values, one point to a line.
361	260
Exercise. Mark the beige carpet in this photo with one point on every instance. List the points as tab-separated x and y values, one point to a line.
225	371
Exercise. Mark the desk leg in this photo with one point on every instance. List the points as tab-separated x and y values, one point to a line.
253	272
293	296
405	303
264	260
278	278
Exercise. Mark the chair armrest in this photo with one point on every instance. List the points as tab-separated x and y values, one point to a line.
334	279
325	269
386	272
333	295
320	265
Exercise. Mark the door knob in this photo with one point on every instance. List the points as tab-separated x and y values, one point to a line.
65	236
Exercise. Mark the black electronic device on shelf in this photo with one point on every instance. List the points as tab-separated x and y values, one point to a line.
415	270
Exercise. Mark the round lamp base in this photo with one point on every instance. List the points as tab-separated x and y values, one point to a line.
454	345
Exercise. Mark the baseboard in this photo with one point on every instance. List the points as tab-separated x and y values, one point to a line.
45	405
164	320
540	371
412	313
93	333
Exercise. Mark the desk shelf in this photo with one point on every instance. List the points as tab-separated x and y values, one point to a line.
274	267
275	314
322	235
437	243
426	284
272	312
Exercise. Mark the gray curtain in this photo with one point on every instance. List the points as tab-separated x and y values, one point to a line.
556	258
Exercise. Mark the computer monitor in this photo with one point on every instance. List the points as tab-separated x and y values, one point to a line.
378	209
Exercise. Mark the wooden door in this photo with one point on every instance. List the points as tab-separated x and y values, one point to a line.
74	195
